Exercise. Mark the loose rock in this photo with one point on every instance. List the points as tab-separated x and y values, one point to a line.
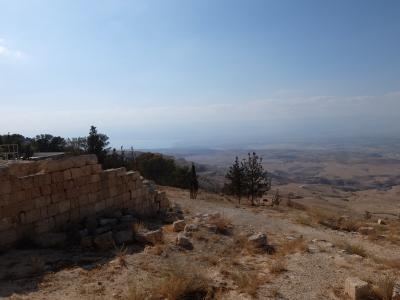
356	288
258	240
184	242
178	226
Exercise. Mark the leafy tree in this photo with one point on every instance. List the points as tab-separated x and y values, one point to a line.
76	145
236	177
256	179
97	143
194	183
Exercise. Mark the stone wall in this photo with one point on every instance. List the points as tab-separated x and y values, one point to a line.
44	196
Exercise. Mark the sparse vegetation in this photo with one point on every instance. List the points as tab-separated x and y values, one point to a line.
384	287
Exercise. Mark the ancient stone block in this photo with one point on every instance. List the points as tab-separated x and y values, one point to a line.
67	175
64	206
100	206
179	225
57	177
45	190
52	209
76	173
123	237
55	198
184	242
104	241
355	288
33	216
51	240
44	225
96	169
26	182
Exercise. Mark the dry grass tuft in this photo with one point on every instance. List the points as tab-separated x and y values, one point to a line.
293	246
278	267
248	282
352	248
138	227
136	292
121	255
223	224
384	288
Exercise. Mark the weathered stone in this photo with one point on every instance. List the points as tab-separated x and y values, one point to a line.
381	222
154	237
184	242
258	240
87	242
108	221
191	228
366	230
127	219
91	225
104	241
178	226
124	236
51	240
355	288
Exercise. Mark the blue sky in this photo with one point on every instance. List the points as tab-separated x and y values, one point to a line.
163	73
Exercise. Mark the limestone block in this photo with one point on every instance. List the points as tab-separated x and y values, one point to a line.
51	240
32	216
258	240
45	190
104	241
42	201
87	170
57	177
44	225
72	193
154	237
94	178
123	236
5	199
356	288
178	226
26	182
96	169
55	198
64	206
69	184
57	188
79	161
67	175
87	210
108	174
76	172
19	196
15	185
35	193
52	210
184	242
5	223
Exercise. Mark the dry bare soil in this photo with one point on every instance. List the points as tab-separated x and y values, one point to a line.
312	250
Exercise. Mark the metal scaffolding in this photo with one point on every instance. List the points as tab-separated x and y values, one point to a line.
9	151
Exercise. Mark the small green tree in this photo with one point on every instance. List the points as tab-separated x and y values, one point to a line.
256	179
97	143
194	183
236	177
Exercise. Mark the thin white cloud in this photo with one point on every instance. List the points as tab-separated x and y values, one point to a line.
7	52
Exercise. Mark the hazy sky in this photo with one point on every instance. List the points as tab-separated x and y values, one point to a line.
205	72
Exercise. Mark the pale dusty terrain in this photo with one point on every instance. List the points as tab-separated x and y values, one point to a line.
315	267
